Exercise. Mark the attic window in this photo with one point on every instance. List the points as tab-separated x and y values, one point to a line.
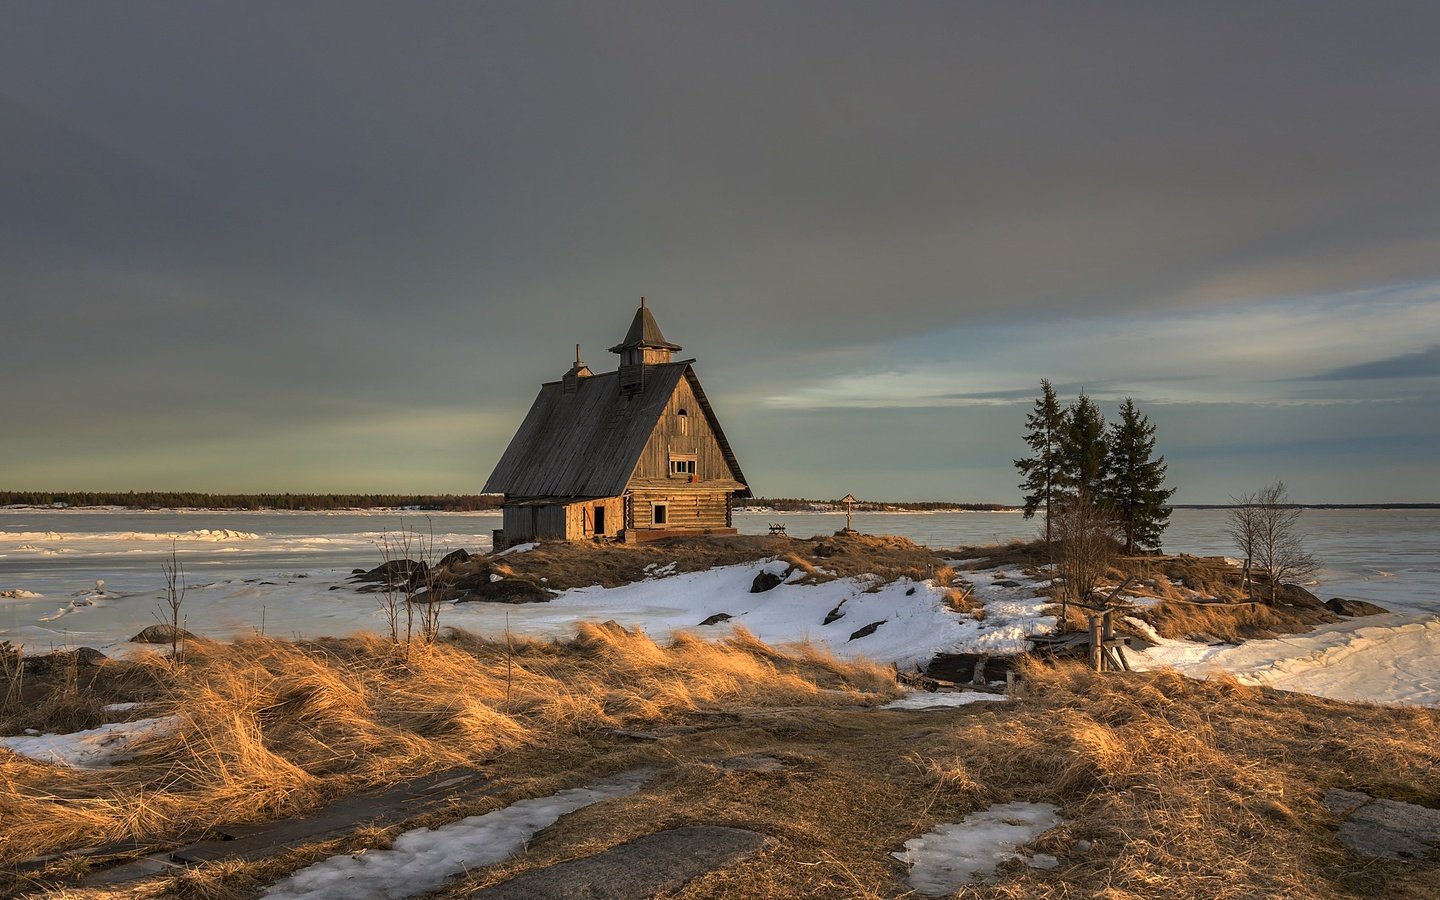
682	466
682	419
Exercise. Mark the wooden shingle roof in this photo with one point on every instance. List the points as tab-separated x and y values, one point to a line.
587	443
644	332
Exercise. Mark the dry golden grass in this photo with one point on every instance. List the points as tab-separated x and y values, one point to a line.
820	558
1226	621
1017	553
1182	789
1195	789
270	728
1168	787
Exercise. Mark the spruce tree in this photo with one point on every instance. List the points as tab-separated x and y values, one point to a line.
1134	486
1040	473
1083	453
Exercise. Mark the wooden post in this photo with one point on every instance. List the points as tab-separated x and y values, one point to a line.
979	675
1096	648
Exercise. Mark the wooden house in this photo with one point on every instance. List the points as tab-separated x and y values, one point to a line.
631	455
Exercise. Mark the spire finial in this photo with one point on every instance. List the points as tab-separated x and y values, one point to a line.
642	302
577	355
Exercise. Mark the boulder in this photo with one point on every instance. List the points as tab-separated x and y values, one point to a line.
717	619
866	631
1354	608
1289	595
454	558
162	633
836	613
765	581
62	661
506	590
397	573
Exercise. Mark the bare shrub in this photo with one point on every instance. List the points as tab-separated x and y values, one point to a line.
173	603
1087	540
1264	528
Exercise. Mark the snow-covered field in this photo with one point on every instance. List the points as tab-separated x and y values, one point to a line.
286	574
913	622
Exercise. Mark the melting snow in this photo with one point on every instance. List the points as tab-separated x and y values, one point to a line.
518	548
93	747
923	700
1391	658
950	856
422	859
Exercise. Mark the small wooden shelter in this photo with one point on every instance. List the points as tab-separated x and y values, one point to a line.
631	455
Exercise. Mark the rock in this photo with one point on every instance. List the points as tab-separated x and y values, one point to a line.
910	592
1384	828
1006	582
454	558
659	863
824	551
397	573
867	630
836	613
163	633
506	590
765	581
1292	595
615	628
1354	608
717	619
62	661
356	572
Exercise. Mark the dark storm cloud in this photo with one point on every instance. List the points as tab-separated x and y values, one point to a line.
1420	364
290	217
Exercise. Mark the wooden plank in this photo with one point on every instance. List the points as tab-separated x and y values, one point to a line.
258	840
659	863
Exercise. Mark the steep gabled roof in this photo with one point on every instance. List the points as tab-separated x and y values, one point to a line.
587	443
644	332
715	429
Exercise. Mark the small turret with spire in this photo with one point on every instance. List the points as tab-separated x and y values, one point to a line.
577	372
643	346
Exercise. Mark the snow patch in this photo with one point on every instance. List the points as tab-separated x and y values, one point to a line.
953	855
1392	659
19	594
924	700
1144	628
422	859
518	548
92	747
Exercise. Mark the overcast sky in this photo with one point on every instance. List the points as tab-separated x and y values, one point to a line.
337	246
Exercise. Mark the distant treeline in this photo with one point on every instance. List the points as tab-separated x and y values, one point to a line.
195	500
798	504
1319	505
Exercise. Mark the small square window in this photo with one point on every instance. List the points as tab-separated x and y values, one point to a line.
682	466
